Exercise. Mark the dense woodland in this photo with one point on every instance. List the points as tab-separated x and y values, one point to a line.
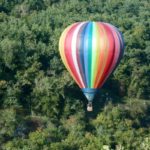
42	108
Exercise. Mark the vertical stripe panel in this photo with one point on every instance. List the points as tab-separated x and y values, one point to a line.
68	53
74	53
110	44
62	50
103	54
94	53
88	52
80	52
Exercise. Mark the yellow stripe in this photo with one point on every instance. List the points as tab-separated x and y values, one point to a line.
61	45
97	53
100	47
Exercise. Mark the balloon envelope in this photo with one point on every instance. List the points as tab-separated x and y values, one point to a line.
91	51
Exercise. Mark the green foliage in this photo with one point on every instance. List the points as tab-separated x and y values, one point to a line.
42	108
120	125
7	124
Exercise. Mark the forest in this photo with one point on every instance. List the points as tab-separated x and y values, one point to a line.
42	108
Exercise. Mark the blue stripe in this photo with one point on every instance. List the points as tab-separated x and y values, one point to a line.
121	42
87	47
80	53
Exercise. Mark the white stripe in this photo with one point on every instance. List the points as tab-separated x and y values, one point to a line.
74	56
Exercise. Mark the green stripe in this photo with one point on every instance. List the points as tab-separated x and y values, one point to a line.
90	54
94	53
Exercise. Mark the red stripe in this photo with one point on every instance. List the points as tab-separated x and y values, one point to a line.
116	53
68	52
110	56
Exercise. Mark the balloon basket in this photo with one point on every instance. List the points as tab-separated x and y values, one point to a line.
89	107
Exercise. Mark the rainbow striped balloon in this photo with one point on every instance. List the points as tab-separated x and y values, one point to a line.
91	51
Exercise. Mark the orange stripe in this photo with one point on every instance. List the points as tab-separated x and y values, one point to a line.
102	55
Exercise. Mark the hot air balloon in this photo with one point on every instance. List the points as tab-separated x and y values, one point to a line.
91	51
